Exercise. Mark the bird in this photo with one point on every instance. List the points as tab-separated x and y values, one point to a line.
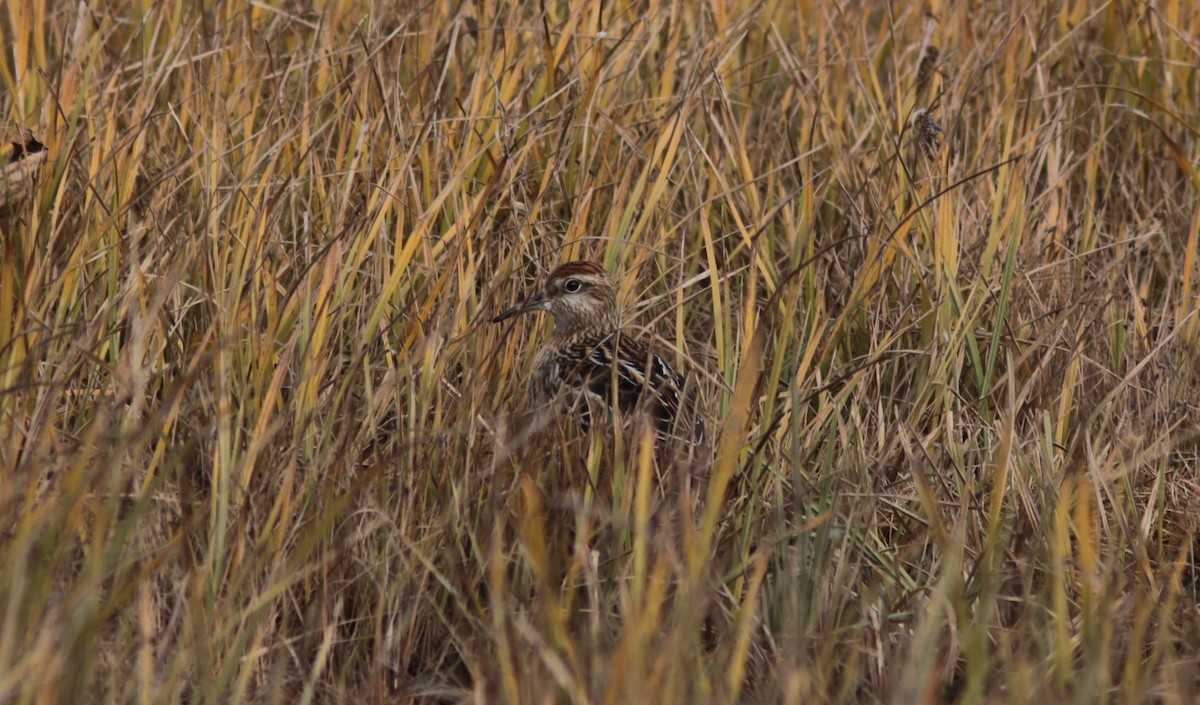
588	351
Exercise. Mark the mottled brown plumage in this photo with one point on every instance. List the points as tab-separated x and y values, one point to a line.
588	352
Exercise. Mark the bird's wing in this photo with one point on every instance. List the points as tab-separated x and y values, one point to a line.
641	376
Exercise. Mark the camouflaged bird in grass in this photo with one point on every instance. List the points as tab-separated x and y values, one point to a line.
588	351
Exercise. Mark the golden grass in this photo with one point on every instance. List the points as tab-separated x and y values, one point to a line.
255	422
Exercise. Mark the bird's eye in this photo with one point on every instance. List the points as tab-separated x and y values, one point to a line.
572	286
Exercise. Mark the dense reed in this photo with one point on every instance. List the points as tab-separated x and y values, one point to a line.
934	265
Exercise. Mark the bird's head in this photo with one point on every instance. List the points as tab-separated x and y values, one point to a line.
580	295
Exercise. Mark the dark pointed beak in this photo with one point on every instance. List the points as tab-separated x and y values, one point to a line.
537	302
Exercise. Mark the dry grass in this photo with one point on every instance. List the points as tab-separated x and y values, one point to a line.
255	423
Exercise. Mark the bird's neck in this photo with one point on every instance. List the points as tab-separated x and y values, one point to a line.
598	326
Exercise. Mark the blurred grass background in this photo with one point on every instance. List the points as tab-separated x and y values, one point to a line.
934	264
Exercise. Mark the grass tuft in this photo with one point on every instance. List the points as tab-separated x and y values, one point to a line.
933	266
